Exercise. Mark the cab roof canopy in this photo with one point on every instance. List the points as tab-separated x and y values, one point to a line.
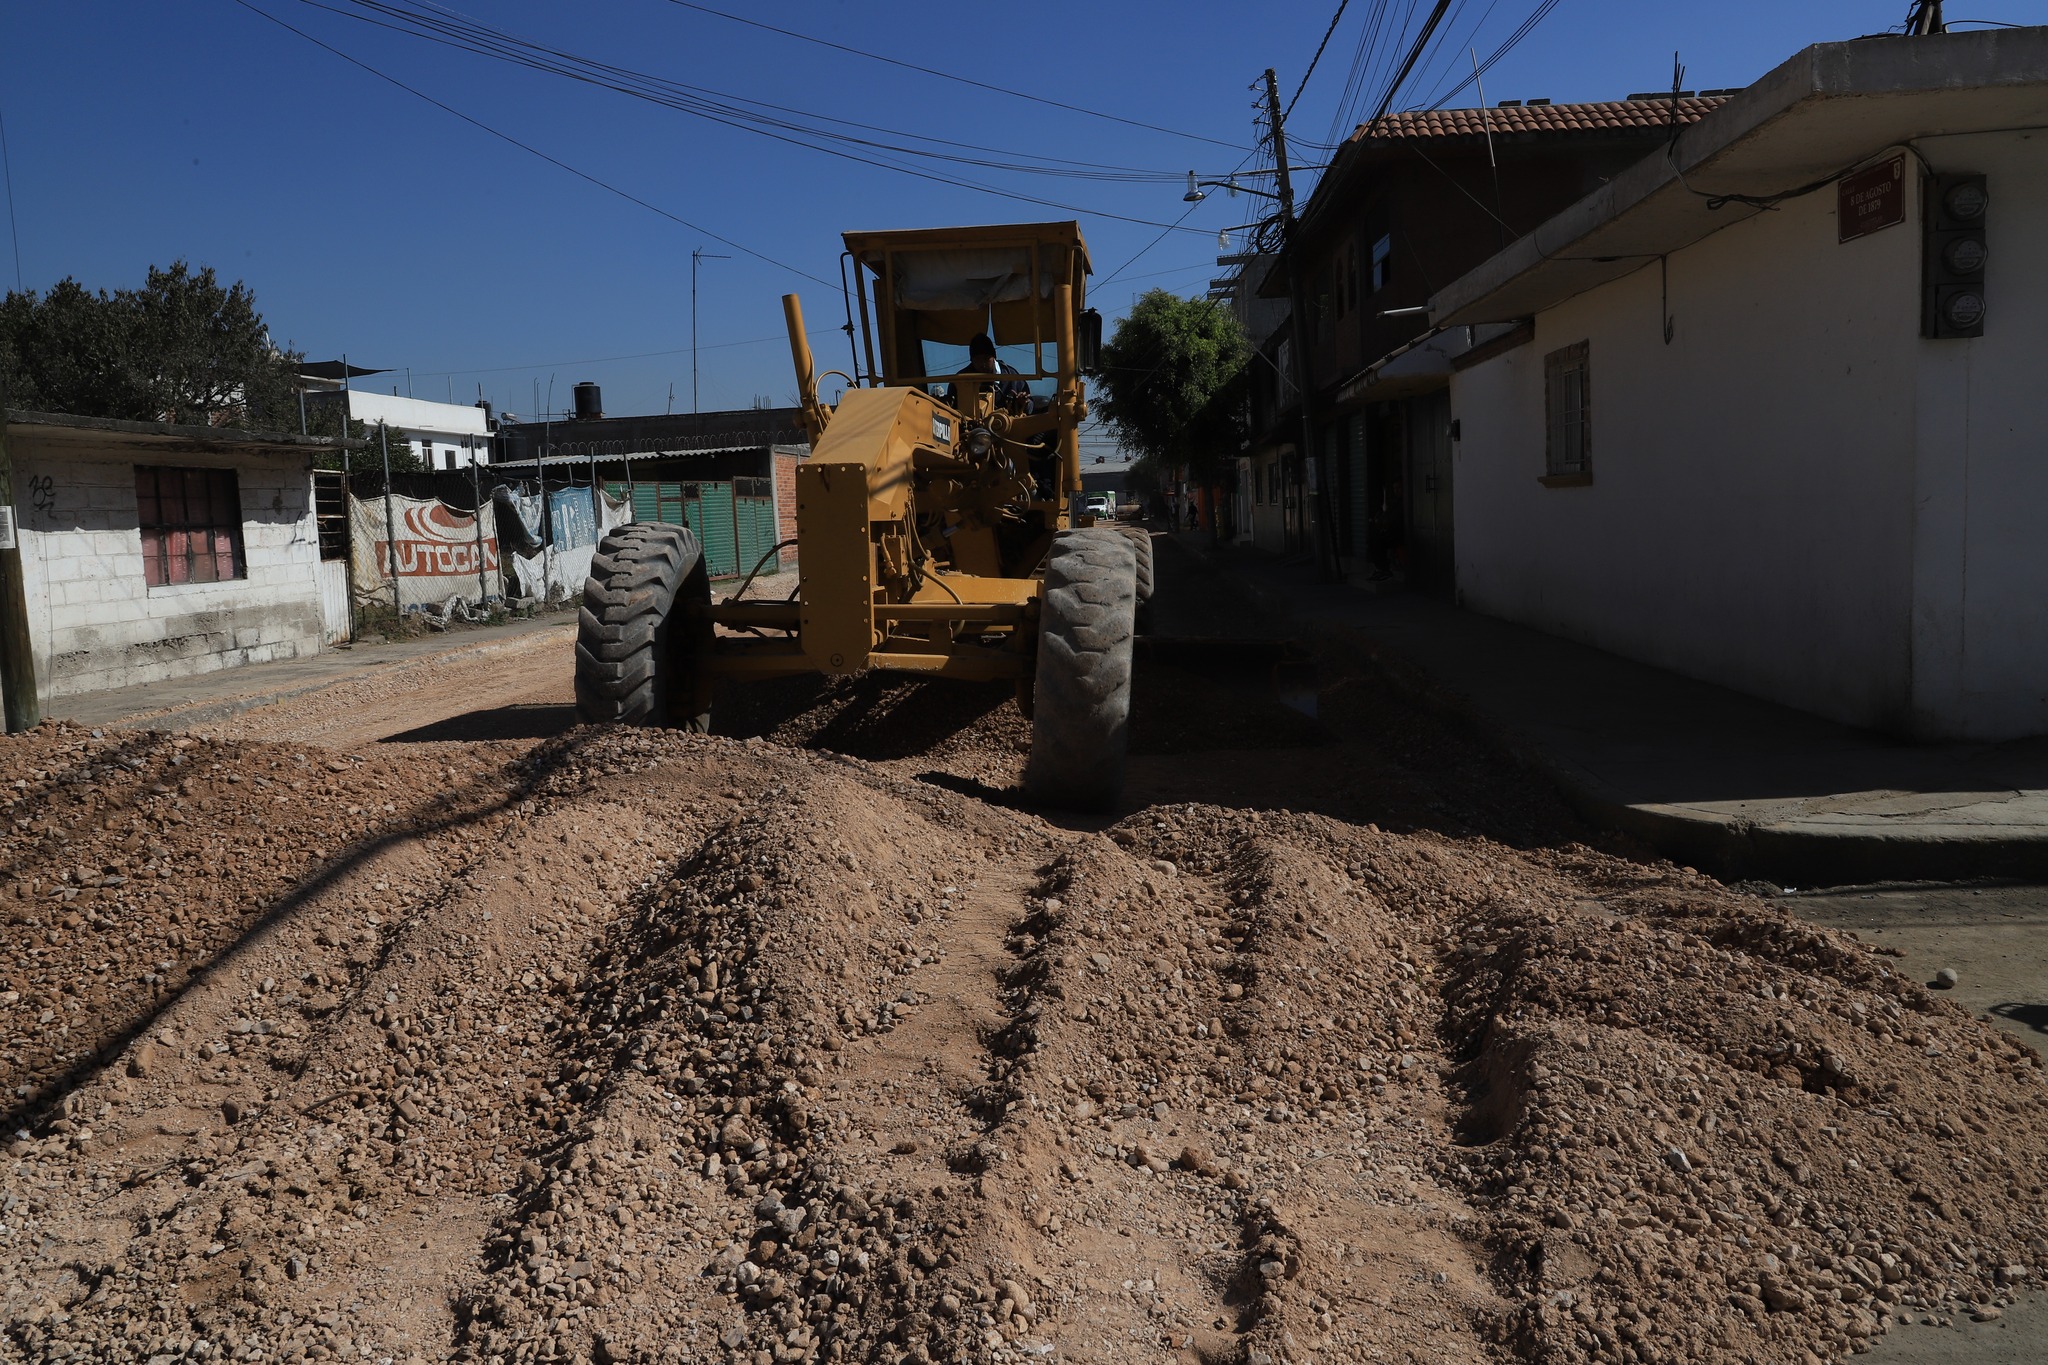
947	284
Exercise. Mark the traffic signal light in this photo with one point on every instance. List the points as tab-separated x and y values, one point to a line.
1952	277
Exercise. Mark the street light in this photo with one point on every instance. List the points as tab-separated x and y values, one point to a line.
1195	195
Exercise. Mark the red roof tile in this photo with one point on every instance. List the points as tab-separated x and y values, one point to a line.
1603	116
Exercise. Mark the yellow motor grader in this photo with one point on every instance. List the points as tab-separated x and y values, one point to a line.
939	528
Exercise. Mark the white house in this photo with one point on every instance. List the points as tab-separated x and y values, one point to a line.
446	435
1720	438
152	551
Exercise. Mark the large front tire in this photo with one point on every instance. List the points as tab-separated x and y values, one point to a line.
1082	682
643	637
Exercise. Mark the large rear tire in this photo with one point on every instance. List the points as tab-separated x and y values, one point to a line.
644	634
1082	682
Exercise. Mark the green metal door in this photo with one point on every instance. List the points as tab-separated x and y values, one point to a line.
765	531
754	523
711	517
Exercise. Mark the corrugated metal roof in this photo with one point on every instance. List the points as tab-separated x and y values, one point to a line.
1597	117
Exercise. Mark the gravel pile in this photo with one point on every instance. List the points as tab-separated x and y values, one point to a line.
642	1046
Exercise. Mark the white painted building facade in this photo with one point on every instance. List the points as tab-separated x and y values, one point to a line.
124	588
444	435
1787	489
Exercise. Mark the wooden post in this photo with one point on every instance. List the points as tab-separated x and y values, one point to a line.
390	522
348	498
476	510
24	704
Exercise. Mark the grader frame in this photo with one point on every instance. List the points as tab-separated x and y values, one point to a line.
938	534
872	594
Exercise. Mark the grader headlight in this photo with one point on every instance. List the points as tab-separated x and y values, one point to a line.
978	442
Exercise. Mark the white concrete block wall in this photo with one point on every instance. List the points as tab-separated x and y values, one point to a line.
1798	496
1749	519
97	622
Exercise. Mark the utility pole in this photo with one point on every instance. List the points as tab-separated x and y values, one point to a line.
24	704
695	256
1311	449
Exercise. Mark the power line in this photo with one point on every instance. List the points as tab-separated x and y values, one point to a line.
13	228
1514	40
1341	5
1408	64
1361	59
727	116
947	75
535	151
609	359
479	39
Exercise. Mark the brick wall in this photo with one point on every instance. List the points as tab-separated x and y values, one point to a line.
98	624
785	501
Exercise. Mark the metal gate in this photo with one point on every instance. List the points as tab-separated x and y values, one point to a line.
707	507
333	576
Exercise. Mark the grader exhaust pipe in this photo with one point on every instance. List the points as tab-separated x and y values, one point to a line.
806	370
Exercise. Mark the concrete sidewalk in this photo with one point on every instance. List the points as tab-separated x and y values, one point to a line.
204	698
1725	782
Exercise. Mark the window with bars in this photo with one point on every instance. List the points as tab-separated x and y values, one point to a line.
191	521
1568	413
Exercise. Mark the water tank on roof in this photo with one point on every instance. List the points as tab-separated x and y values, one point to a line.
589	402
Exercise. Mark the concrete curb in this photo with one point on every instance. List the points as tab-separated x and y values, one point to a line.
1727	848
210	713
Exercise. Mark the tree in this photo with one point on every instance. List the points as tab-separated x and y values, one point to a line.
183	348
324	419
1174	384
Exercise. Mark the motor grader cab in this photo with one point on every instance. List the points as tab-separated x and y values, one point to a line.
939	528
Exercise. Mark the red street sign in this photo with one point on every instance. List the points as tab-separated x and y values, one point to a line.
1871	200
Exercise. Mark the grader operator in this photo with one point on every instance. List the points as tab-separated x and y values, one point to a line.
939	523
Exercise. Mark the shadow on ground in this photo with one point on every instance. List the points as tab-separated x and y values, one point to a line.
2034	1017
536	720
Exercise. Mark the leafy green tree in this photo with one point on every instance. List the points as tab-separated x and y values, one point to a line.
182	348
1174	384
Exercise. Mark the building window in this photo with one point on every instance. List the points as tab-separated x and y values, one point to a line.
450	458
1568	412
1347	280
191	521
1382	262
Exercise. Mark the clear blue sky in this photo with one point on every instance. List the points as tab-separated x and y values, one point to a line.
370	222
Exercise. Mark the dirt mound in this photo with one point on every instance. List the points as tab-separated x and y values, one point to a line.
646	1046
133	860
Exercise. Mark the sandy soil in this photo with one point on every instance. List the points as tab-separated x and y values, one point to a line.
414	1023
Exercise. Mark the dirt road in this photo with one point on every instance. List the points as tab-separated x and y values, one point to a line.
410	1022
